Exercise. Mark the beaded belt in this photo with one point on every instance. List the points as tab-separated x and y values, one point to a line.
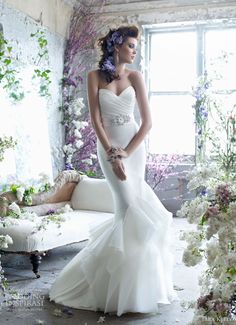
120	119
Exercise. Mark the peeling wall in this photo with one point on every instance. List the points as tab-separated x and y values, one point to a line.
17	27
52	14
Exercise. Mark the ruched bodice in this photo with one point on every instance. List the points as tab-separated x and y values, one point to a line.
115	109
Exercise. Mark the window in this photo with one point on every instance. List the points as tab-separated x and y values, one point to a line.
175	56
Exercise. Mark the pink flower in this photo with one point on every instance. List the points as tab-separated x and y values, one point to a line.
212	211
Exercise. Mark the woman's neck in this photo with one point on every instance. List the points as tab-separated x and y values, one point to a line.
120	69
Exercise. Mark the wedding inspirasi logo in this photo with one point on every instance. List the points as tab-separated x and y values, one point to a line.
23	300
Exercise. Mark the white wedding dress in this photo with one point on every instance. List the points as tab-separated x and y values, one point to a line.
127	264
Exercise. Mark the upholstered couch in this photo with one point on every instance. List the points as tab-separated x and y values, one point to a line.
91	203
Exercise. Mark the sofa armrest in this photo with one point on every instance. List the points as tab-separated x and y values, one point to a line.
61	191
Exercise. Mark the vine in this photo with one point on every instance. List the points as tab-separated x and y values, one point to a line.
9	71
10	68
6	143
42	55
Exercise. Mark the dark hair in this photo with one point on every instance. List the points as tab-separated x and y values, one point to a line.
113	37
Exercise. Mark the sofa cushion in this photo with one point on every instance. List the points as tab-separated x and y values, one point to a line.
92	194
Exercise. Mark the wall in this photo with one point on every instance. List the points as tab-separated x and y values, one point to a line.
52	14
19	20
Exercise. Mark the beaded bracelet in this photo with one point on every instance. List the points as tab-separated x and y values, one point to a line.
112	154
112	150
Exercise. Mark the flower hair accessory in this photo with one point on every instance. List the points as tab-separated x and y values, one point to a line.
115	38
108	63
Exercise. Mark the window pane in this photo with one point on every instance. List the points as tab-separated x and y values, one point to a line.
173	129
225	108
173	61
217	43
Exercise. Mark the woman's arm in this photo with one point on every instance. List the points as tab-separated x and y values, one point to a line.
92	89
94	109
146	121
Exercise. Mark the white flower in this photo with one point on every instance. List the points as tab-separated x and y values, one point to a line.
68	149
65	209
101	319
77	133
191	256
232	209
93	156
212	251
5	240
84	124
69	159
79	144
88	161
14	208
20	193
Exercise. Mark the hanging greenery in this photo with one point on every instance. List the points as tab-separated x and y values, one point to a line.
11	68
9	71
6	143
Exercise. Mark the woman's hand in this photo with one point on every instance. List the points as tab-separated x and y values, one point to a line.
119	169
122	153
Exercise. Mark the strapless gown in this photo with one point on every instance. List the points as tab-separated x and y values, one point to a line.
127	263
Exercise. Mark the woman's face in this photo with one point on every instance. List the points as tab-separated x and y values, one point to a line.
127	51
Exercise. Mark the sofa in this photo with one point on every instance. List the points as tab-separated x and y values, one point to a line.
88	202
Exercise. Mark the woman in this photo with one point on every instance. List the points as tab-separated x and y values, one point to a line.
127	265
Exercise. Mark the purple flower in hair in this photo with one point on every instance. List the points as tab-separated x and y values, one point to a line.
108	65
115	38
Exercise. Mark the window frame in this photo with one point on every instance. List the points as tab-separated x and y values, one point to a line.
200	27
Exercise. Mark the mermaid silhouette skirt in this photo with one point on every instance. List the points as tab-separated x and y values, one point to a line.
127	264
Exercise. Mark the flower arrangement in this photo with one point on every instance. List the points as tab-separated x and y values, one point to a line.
15	214
24	192
213	210
215	240
80	139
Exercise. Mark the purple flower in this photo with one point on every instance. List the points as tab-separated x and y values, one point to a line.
203	300
212	212
223	195
69	82
107	65
115	38
50	211
69	167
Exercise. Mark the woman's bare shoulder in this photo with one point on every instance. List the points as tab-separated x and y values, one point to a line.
134	74
135	77
93	73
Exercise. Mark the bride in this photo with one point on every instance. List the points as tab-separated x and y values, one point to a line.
127	264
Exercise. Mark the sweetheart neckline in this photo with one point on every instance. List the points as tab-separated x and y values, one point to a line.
130	86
